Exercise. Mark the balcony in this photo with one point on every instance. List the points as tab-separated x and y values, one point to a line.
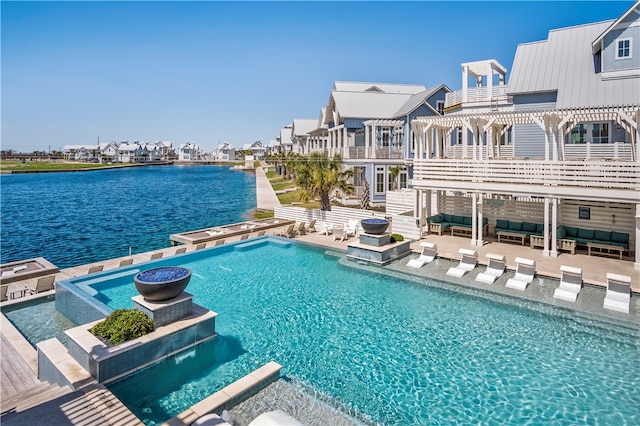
586	180
478	94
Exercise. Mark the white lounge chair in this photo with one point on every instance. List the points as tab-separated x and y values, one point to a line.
275	417
525	271
352	227
468	261
618	294
326	228
339	234
495	268
570	284
429	251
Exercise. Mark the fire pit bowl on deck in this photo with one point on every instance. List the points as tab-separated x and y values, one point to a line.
162	283
374	226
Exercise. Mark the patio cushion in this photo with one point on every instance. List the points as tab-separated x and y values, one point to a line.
571	231
485	221
446	217
585	234
435	218
539	228
620	237
602	235
467	220
458	219
561	232
502	224
529	227
515	226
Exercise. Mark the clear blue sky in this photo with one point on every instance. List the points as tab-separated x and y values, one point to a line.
207	72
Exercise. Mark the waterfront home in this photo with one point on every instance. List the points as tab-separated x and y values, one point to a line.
257	149
368	124
81	152
285	144
108	152
189	151
130	152
224	152
557	145
300	129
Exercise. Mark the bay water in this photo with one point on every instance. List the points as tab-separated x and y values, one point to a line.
74	218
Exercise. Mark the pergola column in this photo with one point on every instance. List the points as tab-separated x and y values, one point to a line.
479	240
636	264
554	226
474	219
545	251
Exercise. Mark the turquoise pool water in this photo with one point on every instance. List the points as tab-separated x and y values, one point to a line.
38	320
388	350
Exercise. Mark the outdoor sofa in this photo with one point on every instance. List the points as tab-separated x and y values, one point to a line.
438	223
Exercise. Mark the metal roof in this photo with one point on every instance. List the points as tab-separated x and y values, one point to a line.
564	63
353	86
302	126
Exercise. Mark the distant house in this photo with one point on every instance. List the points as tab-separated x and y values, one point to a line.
300	134
224	152
189	152
108	152
81	152
257	149
165	149
129	153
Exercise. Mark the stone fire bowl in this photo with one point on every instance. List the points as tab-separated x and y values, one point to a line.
374	226
162	283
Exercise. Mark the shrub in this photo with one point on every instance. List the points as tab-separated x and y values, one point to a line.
122	325
395	238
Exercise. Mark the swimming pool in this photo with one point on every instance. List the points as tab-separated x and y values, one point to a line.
390	351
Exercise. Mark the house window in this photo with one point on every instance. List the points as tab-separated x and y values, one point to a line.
385	136
579	134
379	180
623	48
440	107
403	178
458	135
600	133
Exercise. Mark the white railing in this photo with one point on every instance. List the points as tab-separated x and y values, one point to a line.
622	175
616	150
475	94
506	151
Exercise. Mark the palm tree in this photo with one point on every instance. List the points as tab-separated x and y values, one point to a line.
393	176
318	175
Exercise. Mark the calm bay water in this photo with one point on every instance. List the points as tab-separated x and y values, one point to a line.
76	218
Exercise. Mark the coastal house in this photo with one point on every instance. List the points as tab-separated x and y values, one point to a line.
189	151
165	149
108	152
258	150
130	152
224	152
300	138
368	125
81	152
557	145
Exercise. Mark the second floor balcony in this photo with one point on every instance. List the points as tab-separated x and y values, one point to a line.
477	94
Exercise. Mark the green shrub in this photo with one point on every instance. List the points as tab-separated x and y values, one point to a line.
395	238
122	325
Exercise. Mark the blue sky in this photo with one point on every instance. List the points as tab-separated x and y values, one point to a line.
208	72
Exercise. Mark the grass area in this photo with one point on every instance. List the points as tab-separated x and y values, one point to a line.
294	197
271	174
263	214
51	165
284	184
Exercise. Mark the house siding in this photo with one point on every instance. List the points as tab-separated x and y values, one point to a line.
609	61
354	123
528	139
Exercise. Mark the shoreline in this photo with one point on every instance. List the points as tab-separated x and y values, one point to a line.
87	169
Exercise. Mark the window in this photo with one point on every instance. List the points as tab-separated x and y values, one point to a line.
440	107
379	180
600	133
385	136
579	134
623	48
403	178
458	135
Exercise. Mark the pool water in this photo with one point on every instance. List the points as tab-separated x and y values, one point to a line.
388	350
38	320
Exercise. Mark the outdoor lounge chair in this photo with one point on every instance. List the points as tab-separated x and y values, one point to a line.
525	271
260	234
468	261
200	246
352	227
311	227
275	417
290	232
618	294
155	256
125	262
94	269
300	229
340	233
43	284
244	237
181	250
3	293
495	268
429	251
326	228
218	243
570	284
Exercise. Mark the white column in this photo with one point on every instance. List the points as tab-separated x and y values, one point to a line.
465	133
545	250
480	241
554	226
474	219
427	209
546	138
366	141
465	82
490	142
636	265
429	142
